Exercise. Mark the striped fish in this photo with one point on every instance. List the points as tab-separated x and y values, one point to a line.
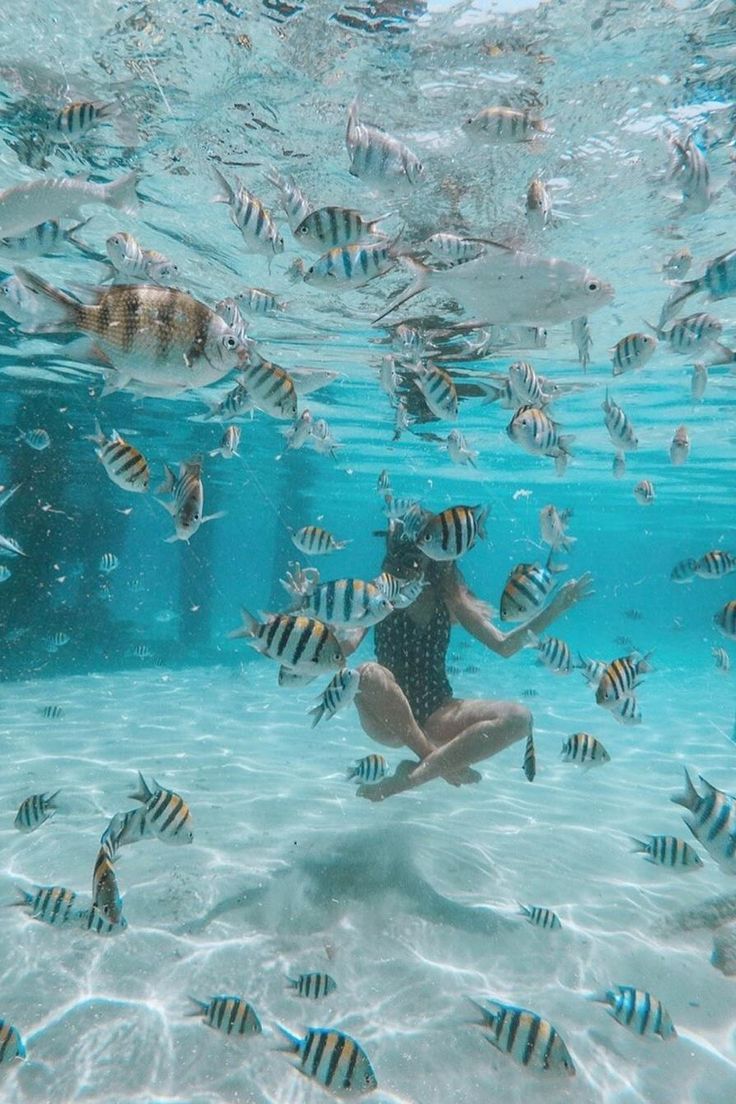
526	386
228	447
383	483
400	593
644	492
618	467
348	602
504	124
339	693
668	851
370	768
78	118
231	1015
725	620
698	381
259	301
677	264
680	446
258	229
333	1059
536	433
52	712
718	281
124	828
106	899
92	920
712	821
37	439
684	571
50	904
334	227
529	764
133	263
388	376
237	401
626	711
295	203
452	533
555	654
168	816
378	157
526	1037
34	811
620	429
538	204
687	335
541	917
438	390
715	564
583	339
43	240
621	677
229	311
632	351
691	172
298	434
584	750
271	389
11	1044
187	502
722	658
302	644
315	541
452	248
124	464
312	986
526	590
108	563
352	266
639	1011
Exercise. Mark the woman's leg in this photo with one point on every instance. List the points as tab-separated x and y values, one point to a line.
467	732
385	714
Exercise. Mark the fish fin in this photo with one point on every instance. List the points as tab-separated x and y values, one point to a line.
524	910
690	799
292	983
114	381
98	436
292	1042
421	275
169	481
487	1013
202	1006
248	628
169	507
172	539
143	793
638	846
709	787
480	520
213	517
656	330
50	799
227	194
602	996
122	195
25	898
71	318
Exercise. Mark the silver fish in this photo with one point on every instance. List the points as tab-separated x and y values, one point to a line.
26	205
259	301
130	260
377	157
35	811
295	203
258	229
338	694
46	239
334	227
582	337
504	124
553	524
458	450
167	815
187	501
507	286
526	1037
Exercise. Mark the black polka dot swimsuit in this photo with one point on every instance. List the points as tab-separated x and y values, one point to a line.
415	655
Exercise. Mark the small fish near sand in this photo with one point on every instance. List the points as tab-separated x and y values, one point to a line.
312	986
333	1059
35	811
230	1015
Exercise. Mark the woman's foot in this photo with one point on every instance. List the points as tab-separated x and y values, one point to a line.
392	784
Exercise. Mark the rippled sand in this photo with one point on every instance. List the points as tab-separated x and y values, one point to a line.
291	872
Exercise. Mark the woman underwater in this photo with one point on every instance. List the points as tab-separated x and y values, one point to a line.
405	699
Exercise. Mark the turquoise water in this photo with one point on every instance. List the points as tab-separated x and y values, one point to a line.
410	904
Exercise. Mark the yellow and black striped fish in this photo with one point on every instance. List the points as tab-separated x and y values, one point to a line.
371	768
250	216
345	602
621	677
78	118
668	851
167	814
334	227
438	390
333	1059
231	1015
125	465
315	541
452	533
632	351
715	564
94	921
527	589
555	654
302	644
351	266
725	620
50	904
638	1010
271	388
584	749
34	811
312	986
106	897
526	1037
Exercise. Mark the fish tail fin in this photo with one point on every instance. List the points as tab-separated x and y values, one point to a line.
351	773
480	520
317	712
656	330
601	996
381	218
292	983
638	847
291	1043
143	793
421	274
343	543
683	290
226	195
122	195
51	798
169	481
98	437
72	312
69	236
565	441
524	910
690	799
201	1006
24	897
248	628
644	666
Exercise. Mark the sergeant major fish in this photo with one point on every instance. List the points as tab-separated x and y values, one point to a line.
526	1037
348	602
352	266
712	821
187	502
541	917
504	124
637	1010
437	389
525	592
258	229
228	447
77	119
555	655
315	541
538	435
231	1015
50	904
167	815
584	750
633	351
130	260
453	532
335	227
106	899
302	644
295	203
124	464
620	429
371	768
338	694
377	157
312	986
668	851
333	1059
621	677
35	811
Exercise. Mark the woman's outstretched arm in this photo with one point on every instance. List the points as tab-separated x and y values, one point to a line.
473	616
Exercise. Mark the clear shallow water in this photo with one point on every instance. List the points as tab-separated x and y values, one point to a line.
332	882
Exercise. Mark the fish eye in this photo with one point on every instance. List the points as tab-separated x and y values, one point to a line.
230	341
593	285
302	229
